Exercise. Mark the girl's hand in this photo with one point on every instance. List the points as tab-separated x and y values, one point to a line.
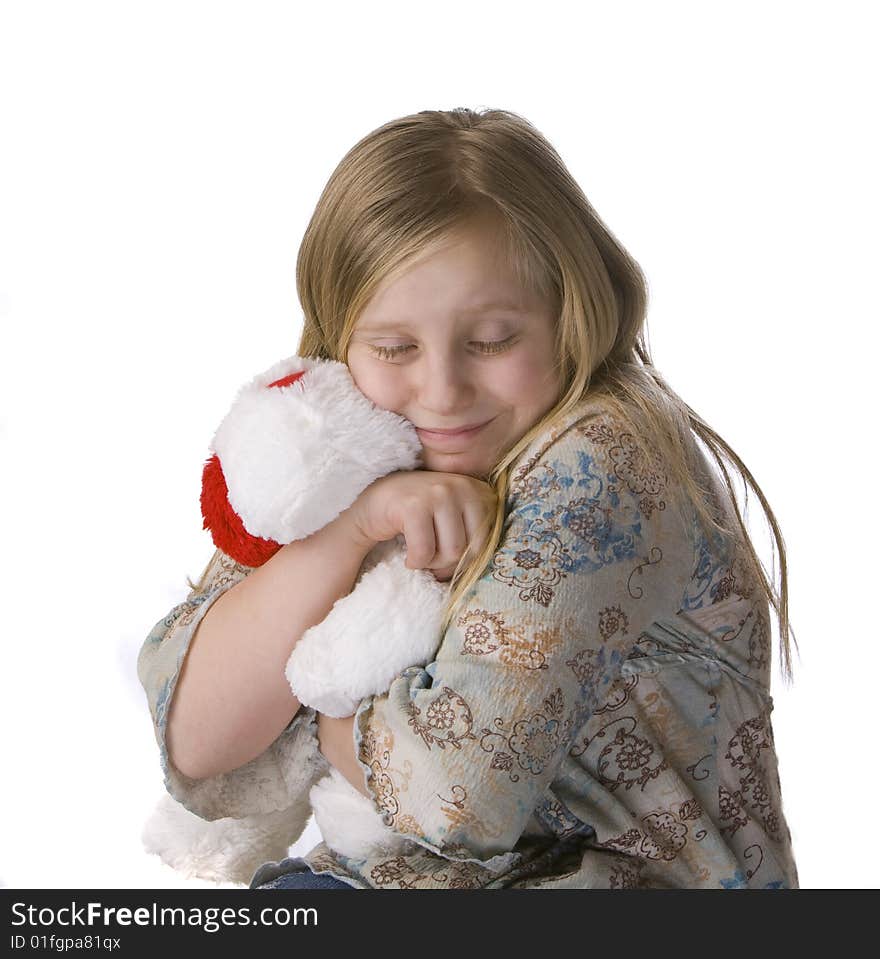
441	516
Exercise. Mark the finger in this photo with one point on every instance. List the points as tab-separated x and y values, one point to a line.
418	531
451	535
478	524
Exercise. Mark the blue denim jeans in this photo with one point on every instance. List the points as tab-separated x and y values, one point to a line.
294	874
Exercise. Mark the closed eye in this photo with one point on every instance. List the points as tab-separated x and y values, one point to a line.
484	346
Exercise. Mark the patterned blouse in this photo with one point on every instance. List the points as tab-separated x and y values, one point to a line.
597	715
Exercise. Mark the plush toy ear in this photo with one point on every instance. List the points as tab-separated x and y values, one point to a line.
300	443
226	526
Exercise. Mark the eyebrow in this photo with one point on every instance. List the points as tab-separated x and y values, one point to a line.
470	311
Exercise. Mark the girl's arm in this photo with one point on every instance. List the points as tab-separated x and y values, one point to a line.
336	738
232	699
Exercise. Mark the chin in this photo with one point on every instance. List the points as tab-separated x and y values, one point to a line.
465	463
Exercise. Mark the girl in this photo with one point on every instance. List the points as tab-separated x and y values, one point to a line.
598	713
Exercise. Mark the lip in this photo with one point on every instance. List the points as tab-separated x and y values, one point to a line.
442	437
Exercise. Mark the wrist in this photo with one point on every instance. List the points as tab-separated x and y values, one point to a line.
348	526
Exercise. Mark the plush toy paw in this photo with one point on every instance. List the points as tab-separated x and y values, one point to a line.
390	620
350	823
222	850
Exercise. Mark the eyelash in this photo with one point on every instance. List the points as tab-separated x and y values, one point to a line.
389	352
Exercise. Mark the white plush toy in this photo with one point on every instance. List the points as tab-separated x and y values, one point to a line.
298	446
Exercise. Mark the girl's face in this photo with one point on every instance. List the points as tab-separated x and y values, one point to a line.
456	342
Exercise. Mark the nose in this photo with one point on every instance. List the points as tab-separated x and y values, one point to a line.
444	386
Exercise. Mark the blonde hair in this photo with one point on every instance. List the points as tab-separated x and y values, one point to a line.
412	183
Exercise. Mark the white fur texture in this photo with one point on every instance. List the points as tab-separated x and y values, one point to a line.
390	620
295	457
222	850
349	821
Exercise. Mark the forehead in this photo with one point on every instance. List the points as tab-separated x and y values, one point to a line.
462	280
389	320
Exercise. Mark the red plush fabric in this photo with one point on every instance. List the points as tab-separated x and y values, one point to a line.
227	529
287	380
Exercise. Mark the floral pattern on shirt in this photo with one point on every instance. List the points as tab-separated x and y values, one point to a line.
597	714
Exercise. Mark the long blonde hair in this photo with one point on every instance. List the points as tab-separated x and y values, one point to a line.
407	187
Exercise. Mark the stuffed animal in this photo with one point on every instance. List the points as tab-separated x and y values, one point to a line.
298	446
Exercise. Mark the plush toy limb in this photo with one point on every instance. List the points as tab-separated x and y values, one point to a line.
224	850
349	821
224	827
390	620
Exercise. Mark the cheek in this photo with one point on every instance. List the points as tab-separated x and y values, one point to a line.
526	380
380	387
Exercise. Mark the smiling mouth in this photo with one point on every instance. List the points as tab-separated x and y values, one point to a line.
445	439
456	432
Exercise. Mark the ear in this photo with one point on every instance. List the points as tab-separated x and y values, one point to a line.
300	443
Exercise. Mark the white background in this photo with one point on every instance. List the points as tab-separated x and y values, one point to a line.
159	162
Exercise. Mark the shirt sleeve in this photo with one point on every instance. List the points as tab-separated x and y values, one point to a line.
456	755
274	780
